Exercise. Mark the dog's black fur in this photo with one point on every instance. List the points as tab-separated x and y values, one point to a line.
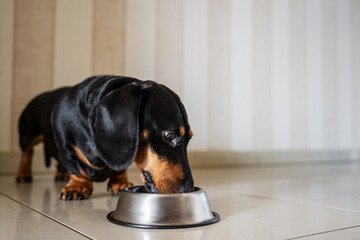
104	117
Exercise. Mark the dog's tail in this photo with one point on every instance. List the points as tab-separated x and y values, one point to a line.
47	158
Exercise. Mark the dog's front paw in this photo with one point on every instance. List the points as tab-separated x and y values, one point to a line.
118	182
76	192
116	186
77	189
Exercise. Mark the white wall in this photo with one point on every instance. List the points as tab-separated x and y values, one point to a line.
253	74
257	75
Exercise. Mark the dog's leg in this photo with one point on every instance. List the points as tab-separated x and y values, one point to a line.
78	188
118	182
23	173
24	170
62	174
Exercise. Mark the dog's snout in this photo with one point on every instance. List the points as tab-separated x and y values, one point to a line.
167	186
181	189
188	186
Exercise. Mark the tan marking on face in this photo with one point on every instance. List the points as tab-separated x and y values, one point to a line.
166	176
190	133
182	131
143	136
83	159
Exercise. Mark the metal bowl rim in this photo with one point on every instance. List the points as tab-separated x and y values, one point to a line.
128	190
215	219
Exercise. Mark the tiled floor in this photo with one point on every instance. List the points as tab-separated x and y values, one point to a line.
306	202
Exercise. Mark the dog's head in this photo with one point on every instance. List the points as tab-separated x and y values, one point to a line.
145	122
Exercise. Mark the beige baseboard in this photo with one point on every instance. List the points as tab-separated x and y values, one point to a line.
262	158
9	161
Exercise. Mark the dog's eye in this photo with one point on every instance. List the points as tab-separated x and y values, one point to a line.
170	136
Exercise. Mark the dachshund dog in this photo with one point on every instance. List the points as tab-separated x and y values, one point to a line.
96	129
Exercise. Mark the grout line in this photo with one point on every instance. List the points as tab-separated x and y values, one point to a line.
49	217
302	203
38	173
329	231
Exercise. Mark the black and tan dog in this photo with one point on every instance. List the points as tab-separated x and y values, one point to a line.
97	128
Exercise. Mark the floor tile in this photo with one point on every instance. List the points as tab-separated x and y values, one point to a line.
240	195
347	233
333	187
20	222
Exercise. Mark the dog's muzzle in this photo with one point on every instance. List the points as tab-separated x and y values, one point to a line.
166	185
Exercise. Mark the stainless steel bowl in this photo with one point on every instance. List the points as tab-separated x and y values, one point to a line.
138	208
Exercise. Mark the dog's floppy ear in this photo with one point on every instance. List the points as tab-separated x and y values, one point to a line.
115	126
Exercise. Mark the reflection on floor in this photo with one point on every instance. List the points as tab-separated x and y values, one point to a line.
307	202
